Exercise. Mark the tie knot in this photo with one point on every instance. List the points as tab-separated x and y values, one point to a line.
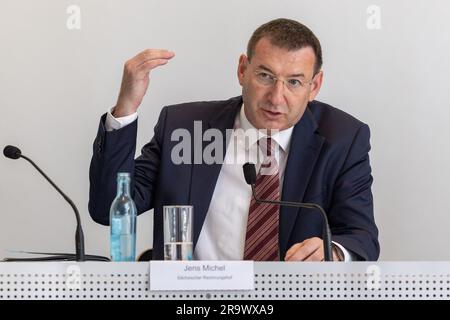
269	163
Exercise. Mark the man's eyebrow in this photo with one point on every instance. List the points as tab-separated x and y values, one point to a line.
265	68
296	75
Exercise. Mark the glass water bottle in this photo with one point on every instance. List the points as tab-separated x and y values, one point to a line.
123	222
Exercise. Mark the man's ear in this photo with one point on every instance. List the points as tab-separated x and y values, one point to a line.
242	66
316	85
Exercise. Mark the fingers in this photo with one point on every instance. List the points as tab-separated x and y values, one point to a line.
317	255
308	250
293	250
151	54
140	65
148	65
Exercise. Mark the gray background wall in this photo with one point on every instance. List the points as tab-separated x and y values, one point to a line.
55	83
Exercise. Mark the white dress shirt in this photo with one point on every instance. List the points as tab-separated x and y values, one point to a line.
223	233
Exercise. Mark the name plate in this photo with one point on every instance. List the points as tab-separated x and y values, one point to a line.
201	275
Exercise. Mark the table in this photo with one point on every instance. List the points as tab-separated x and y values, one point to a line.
273	281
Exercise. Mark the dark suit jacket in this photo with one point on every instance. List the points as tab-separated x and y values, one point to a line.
328	164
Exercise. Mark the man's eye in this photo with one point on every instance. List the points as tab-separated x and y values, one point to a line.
295	83
264	75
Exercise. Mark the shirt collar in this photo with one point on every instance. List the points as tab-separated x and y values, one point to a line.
283	137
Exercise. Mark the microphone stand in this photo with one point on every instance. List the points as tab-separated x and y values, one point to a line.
79	236
250	178
15	153
326	233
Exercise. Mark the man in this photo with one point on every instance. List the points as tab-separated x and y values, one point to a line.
322	158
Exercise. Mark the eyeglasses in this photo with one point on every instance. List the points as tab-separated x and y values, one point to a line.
268	80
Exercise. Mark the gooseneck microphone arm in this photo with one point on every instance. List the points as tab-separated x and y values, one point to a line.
326	233
250	178
15	153
79	236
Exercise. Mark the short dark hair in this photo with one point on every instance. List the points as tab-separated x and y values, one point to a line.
287	34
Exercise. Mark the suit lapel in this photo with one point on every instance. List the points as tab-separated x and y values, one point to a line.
204	176
304	150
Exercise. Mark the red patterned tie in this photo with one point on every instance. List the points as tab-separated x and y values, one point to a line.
261	242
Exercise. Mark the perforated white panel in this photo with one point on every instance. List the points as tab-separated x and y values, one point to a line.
356	280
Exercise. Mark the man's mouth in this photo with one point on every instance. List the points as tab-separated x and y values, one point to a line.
272	114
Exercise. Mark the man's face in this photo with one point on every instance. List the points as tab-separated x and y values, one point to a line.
270	103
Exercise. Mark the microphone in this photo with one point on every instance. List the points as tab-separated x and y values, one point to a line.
14	153
250	178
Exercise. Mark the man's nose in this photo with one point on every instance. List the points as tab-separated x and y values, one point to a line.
276	94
